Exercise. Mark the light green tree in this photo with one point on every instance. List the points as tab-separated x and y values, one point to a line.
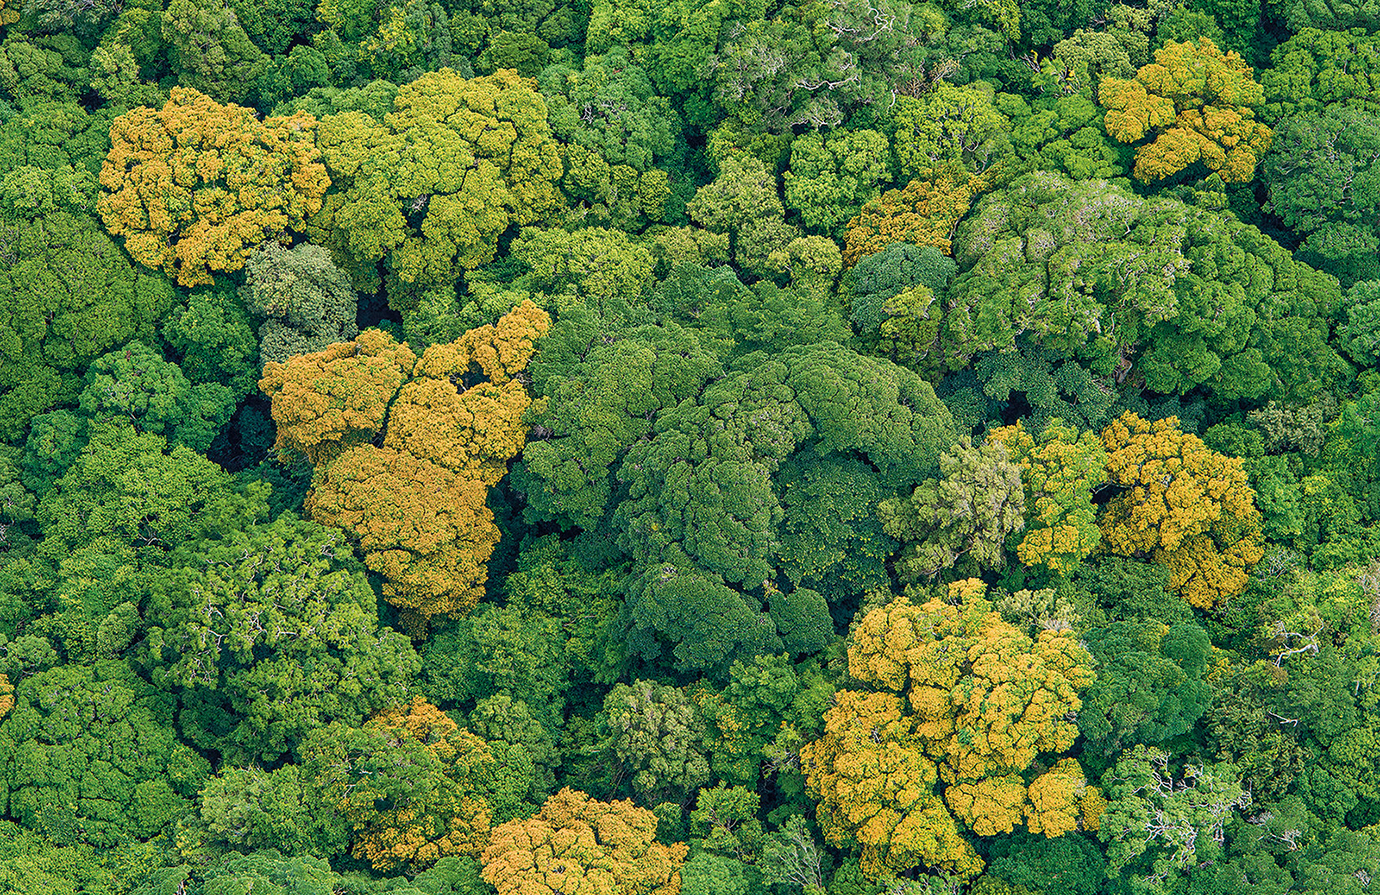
430	188
965	516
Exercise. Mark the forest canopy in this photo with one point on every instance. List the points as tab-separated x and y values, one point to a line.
678	447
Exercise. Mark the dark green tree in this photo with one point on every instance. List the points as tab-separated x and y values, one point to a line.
91	757
601	399
1149	685
52	136
72	296
271	634
616	130
213	336
136	385
209	50
307	301
703	515
831	539
1325	185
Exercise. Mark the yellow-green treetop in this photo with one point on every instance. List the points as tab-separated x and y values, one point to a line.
953	661
1215	566
579	846
990	805
415	505
196	186
876	786
424	527
333	399
474	431
925	213
1059	470
1176	487
502	350
1061	801
453	165
408	784
423	722
408	835
1182	504
1199	105
965	703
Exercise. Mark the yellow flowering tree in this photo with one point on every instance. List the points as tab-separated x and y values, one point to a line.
1183	505
1197	103
580	846
416	504
195	187
409	785
962	706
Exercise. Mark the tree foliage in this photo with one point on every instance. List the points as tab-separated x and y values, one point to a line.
924	213
1322	186
1176	296
598	406
196	186
410	785
702	514
1059	470
742	201
137	385
1183	504
950	128
1149	687
276	635
831	178
441	436
1169	821
657	733
579	844
71	297
945	447
963	705
209	49
328	401
1199	105
91	757
307	301
965	516
453	164
615	128
1316	69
